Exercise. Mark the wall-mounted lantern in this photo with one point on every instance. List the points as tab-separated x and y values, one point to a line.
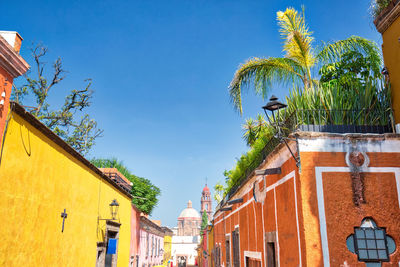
114	205
275	106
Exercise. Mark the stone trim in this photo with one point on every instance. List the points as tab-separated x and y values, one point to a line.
13	63
387	16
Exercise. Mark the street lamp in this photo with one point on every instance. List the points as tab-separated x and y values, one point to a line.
272	106
114	205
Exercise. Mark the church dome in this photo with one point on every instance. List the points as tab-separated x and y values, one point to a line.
189	212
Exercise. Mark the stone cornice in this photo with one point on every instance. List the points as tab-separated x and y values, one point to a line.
10	60
387	16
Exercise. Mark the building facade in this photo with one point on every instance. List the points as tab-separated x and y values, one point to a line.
12	65
54	198
388	24
189	221
151	243
339	206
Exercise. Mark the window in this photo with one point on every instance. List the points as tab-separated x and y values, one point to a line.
270	249
250	262
217	256
235	247
370	242
271	259
147	244
152	245
228	252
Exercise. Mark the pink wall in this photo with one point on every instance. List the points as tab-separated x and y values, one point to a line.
135	234
150	245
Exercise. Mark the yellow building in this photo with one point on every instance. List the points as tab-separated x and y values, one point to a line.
388	24
41	177
167	245
210	245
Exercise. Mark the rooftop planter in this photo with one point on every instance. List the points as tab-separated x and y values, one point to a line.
386	13
378	120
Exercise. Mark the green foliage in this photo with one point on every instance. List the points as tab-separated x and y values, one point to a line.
78	133
377	6
371	98
218	191
204	222
253	129
145	194
299	61
248	161
352	71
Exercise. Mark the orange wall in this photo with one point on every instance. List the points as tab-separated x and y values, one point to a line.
255	218
292	204
342	215
4	109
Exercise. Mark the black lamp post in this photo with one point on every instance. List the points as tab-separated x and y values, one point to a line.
272	106
114	205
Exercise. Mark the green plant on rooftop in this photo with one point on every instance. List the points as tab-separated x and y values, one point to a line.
377	6
253	128
299	62
218	192
349	88
145	194
367	103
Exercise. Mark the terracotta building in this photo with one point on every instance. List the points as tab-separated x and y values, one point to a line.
12	65
347	187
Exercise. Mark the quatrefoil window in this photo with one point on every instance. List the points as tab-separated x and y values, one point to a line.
370	243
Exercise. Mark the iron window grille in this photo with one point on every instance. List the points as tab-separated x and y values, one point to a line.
370	244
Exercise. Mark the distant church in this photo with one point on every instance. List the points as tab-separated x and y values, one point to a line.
206	202
189	220
187	233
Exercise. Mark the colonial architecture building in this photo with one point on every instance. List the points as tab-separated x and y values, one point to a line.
206	202
151	243
189	221
186	237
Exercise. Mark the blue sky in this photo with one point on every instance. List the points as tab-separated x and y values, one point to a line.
161	70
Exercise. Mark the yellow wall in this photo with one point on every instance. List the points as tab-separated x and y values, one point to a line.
38	180
167	249
210	245
391	55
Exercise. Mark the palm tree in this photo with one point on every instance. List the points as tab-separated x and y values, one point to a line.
253	129
296	67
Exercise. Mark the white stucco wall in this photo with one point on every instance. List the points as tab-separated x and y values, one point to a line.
185	246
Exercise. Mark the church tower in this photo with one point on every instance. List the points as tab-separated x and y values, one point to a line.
206	202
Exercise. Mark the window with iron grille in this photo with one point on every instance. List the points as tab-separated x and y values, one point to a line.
371	243
228	251
217	255
235	247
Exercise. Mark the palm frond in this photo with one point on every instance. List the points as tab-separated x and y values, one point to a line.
297	37
332	52
263	72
